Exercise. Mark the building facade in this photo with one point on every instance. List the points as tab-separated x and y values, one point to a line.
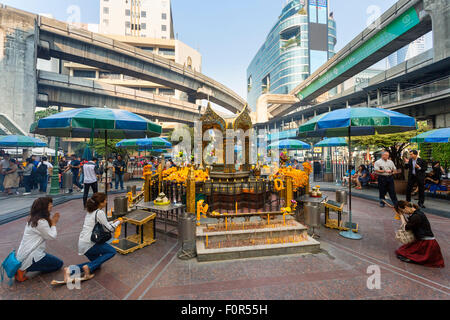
407	52
301	41
137	18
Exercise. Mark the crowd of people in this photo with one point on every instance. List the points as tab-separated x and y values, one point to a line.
33	174
382	174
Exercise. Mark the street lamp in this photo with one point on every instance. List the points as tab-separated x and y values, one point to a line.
54	186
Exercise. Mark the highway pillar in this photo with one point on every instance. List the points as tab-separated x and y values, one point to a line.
439	11
18	55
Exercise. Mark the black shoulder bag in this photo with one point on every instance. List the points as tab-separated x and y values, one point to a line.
99	235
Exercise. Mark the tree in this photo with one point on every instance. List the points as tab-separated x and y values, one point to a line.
99	147
441	152
394	143
44	113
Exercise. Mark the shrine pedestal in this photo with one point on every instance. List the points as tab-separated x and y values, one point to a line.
275	238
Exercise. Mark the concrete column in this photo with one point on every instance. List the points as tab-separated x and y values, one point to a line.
378	97
368	100
347	105
439	11
398	92
18	59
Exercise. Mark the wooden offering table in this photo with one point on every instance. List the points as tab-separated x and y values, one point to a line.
145	231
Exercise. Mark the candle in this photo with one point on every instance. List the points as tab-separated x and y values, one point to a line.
207	241
268	219
236	207
226	223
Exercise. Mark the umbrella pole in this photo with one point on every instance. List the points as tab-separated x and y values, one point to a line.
106	171
349	234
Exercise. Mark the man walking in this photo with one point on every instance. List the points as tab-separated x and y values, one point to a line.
416	174
90	178
43	171
385	169
119	170
74	166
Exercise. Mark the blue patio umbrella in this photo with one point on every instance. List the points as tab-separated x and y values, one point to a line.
97	123
16	141
434	136
289	144
356	122
332	142
145	143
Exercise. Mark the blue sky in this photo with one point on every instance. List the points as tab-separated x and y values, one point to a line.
227	33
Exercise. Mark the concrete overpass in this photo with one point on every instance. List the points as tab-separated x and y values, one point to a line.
401	24
24	37
418	87
62	90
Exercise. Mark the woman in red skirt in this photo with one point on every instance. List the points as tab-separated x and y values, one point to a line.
425	250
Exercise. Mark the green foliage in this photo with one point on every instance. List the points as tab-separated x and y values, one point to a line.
441	152
44	113
99	147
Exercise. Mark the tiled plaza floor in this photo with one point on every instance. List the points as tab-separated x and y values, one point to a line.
339	271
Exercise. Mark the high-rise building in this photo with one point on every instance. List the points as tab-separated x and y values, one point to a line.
300	42
407	52
138	18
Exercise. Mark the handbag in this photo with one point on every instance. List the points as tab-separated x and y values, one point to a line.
404	236
11	265
99	235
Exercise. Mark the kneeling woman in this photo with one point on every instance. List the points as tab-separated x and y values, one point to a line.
96	253
424	250
40	227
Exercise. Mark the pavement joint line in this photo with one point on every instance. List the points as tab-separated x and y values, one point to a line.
149	272
387	266
157	277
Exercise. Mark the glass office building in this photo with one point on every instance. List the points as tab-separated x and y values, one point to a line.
301	41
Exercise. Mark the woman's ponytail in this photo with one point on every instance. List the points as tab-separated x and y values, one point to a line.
94	202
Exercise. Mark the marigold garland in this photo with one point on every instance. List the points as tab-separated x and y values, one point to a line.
180	175
299	177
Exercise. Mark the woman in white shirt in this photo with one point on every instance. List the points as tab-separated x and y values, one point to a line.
40	227
96	253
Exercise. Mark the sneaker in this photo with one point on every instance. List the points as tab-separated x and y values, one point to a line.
421	206
382	204
26	193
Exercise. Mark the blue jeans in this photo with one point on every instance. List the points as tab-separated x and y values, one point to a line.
119	178
43	183
97	255
28	183
47	264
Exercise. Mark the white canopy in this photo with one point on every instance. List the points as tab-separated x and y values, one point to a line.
37	151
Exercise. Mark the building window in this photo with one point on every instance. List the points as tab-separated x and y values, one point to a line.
106	22
164	16
249	83
127	12
167	52
265	86
167	92
163	27
143	26
144	14
127	24
84	74
105	10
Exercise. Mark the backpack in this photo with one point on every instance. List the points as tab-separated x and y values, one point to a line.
42	170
